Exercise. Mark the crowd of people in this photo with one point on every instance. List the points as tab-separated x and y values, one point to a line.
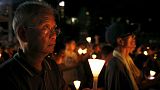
39	65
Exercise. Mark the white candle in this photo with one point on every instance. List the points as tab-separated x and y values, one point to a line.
151	76
88	39
152	73
77	84
80	51
145	53
96	66
84	51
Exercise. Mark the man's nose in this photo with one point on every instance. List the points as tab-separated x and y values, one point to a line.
53	35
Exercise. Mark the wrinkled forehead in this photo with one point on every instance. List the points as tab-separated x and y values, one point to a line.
40	19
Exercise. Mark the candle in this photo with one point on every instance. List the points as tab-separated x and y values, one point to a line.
77	84
88	39
145	53
84	51
80	51
96	67
152	73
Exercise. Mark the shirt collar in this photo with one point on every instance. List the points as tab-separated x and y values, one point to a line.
20	59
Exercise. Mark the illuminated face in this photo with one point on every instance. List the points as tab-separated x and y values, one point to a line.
73	45
130	43
42	37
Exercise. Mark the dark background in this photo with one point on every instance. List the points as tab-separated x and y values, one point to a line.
143	12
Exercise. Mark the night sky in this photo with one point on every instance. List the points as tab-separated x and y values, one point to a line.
138	11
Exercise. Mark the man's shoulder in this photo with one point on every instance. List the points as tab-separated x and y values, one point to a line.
7	64
6	68
115	63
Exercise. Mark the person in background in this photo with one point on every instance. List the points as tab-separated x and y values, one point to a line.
70	62
97	50
35	27
140	58
152	63
106	54
121	72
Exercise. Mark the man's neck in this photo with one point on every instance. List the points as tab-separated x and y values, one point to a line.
35	59
123	51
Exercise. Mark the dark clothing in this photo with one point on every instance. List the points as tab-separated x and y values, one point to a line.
152	64
16	74
101	78
139	61
4	57
85	75
116	76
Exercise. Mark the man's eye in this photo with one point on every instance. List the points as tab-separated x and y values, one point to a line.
46	27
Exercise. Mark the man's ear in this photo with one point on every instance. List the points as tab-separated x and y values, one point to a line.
120	42
22	34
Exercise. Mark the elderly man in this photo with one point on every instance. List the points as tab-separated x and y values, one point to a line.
34	24
121	72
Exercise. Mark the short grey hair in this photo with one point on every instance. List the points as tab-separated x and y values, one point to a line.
28	10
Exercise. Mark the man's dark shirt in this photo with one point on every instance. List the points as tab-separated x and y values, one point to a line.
16	74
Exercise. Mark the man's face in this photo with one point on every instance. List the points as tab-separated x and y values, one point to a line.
130	43
42	38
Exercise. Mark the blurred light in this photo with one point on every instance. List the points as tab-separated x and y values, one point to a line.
145	53
151	76
148	48
62	3
68	21
88	39
127	21
87	13
40	0
84	51
80	51
152	73
94	56
77	84
132	23
73	19
100	18
149	19
0	55
155	56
